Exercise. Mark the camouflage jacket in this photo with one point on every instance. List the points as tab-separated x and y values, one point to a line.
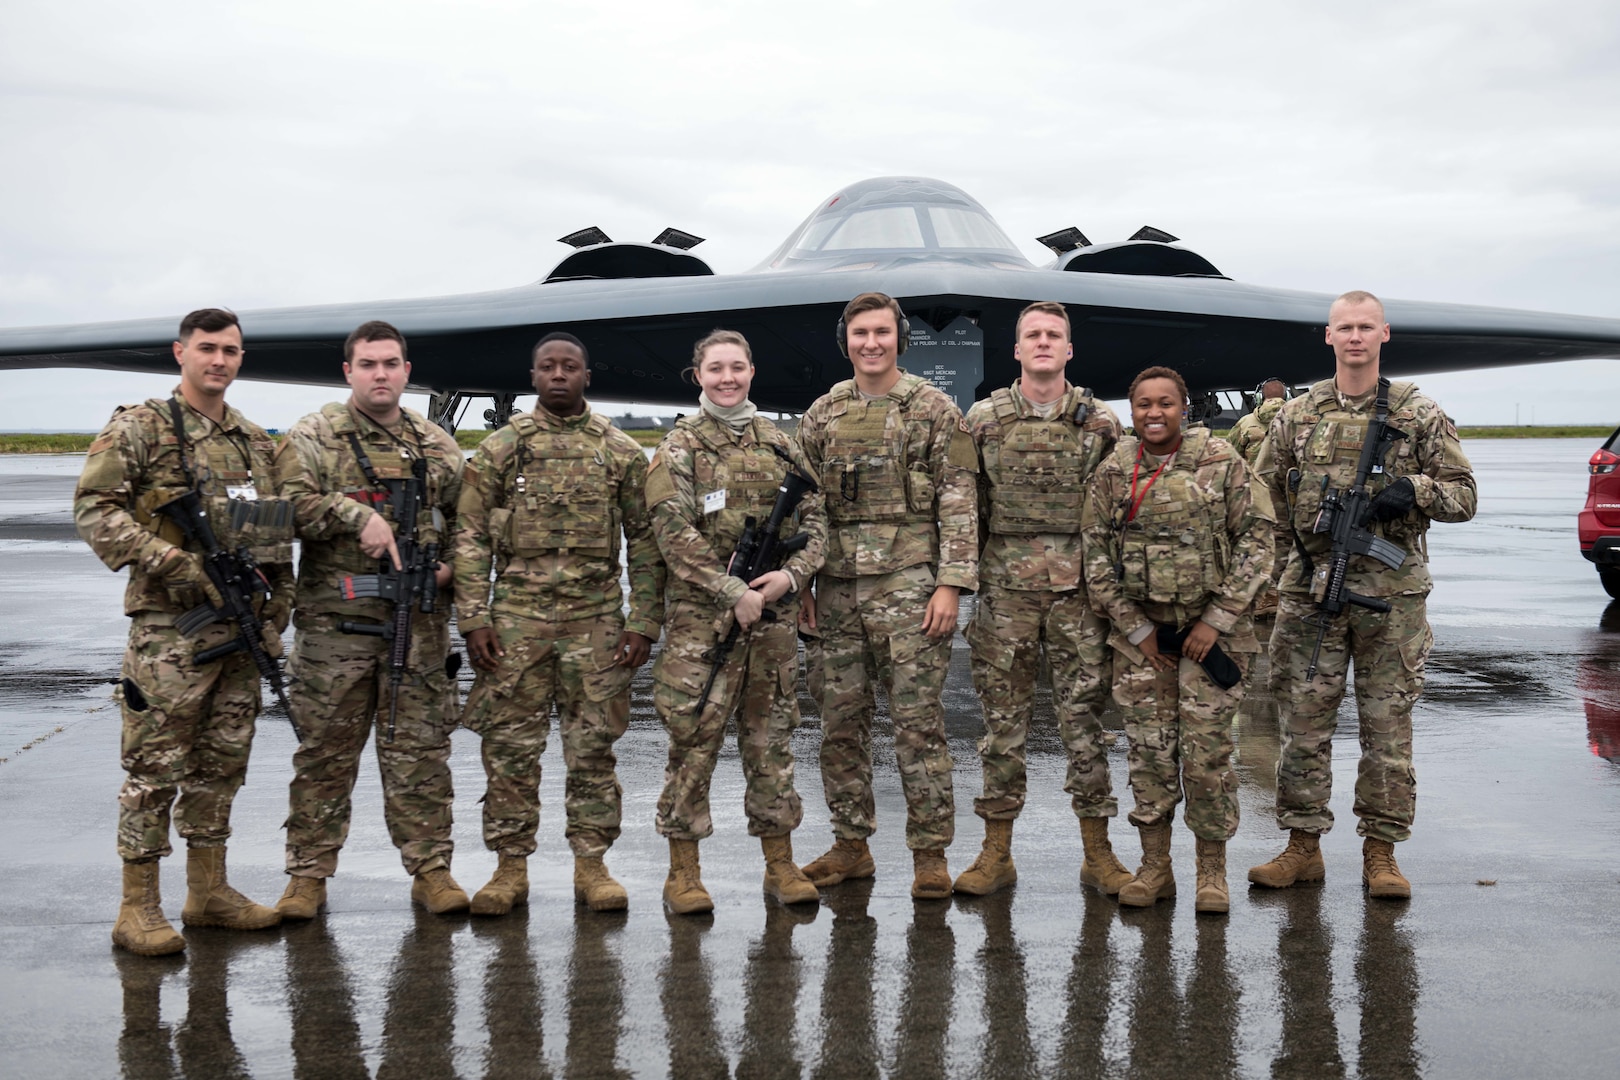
704	481
543	501
1033	474
1198	547
1320	435
318	472
134	467
1250	430
898	475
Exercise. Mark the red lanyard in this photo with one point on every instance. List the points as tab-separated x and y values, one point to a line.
1136	500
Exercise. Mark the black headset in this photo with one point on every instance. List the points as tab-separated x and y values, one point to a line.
904	332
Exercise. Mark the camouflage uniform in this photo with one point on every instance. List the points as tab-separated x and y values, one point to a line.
701	456
1032	470
898	473
1320	435
1199	548
543	501
340	681
1246	437
186	728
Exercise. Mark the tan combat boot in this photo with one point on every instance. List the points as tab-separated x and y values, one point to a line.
684	893
437	891
593	885
993	869
141	927
1154	880
210	900
845	860
1101	868
1379	873
1212	896
783	878
1299	864
304	897
509	885
931	878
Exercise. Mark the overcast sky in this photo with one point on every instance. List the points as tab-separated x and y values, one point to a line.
166	157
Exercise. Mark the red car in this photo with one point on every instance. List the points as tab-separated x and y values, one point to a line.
1600	520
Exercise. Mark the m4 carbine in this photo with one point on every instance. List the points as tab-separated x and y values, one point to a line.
411	588
759	550
1343	515
239	581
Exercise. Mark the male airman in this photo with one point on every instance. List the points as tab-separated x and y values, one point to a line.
351	470
187	727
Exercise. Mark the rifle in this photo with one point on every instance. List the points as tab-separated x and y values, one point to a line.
411	588
1343	515
758	551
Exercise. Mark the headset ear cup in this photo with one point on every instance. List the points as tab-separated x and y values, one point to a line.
843	339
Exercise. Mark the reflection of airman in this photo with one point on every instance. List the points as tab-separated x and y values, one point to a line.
716	473
1039	441
1315	445
1177	539
897	464
342	469
543	503
187	728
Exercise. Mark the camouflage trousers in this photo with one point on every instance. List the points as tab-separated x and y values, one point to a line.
187	731
340	691
570	665
871	629
1389	652
757	684
1006	636
1179	728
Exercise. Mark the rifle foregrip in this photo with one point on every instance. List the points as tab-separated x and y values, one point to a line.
1371	603
208	656
374	629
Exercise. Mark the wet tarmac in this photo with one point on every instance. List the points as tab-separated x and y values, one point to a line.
1505	963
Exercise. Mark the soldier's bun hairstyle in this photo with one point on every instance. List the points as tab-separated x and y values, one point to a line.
570	339
715	337
1159	373
375	330
210	320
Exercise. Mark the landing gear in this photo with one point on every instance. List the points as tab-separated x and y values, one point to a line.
447	408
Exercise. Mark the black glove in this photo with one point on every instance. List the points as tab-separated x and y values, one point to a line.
1395	501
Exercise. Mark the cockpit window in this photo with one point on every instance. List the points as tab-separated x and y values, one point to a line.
957	227
879	227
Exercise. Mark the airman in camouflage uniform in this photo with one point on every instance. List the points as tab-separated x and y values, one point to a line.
340	468
187	728
1317	438
1039	441
1246	438
897	466
716	471
1176	537
543	502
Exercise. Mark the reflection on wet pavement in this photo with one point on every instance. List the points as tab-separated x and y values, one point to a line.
1044	979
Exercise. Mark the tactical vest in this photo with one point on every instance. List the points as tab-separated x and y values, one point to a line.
749	476
865	474
233	472
1333	449
1038	484
561	490
354	456
1175	551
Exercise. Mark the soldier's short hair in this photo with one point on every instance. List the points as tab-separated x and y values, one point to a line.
872	301
1047	307
210	320
375	330
564	337
1158	372
1358	296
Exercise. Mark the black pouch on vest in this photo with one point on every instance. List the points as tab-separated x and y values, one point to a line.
1217	665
